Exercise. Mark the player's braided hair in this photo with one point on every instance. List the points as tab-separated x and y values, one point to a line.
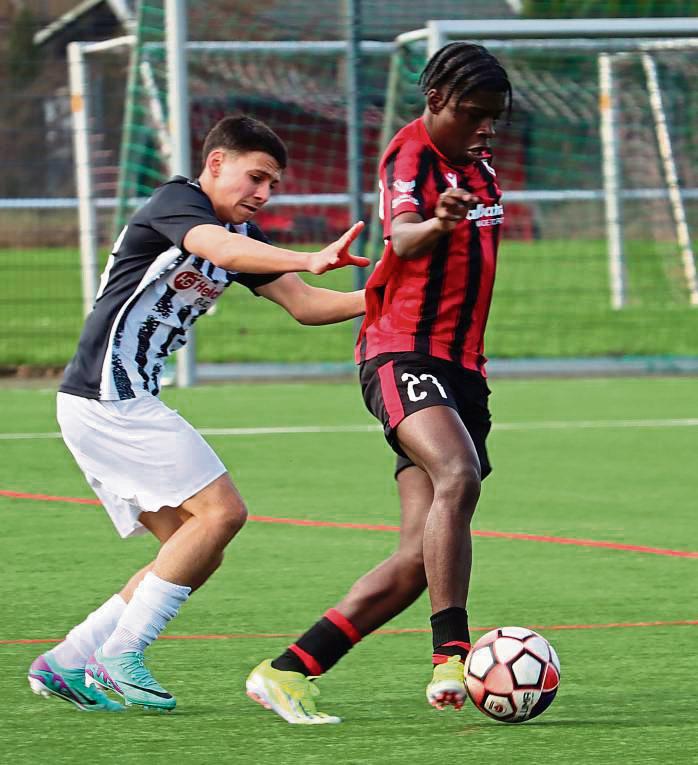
460	68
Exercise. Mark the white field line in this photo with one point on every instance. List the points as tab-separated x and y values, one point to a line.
368	428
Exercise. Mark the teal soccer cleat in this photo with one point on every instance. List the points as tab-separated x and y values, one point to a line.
127	675
46	678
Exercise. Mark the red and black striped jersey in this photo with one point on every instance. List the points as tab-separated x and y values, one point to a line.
437	303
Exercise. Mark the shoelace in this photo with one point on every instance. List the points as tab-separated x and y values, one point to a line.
136	667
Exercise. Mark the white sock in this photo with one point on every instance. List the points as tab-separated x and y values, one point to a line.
153	604
82	641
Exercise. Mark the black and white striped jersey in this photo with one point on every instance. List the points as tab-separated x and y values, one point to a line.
151	292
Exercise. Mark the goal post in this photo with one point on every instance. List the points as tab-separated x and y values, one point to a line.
180	139
666	152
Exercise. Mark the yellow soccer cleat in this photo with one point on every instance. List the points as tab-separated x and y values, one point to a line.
290	694
447	687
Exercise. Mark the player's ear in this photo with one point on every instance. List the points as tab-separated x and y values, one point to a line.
435	100
214	162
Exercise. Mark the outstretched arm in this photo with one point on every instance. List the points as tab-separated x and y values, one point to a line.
236	252
313	305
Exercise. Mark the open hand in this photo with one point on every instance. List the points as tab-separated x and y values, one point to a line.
337	255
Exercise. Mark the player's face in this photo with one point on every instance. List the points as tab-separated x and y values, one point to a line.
464	130
243	184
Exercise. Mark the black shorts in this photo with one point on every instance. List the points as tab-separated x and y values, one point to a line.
395	385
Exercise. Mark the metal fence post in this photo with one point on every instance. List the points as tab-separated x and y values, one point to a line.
180	160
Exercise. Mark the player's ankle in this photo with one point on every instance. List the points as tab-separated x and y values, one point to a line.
442	653
450	634
289	662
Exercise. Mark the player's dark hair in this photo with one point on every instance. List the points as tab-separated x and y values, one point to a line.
460	68
243	135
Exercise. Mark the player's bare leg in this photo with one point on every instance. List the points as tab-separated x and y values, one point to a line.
283	685
398	581
188	557
185	561
436	440
162	525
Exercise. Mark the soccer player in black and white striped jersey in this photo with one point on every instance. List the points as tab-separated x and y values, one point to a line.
149	467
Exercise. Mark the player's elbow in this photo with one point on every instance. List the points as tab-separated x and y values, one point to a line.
305	306
402	247
299	310
311	317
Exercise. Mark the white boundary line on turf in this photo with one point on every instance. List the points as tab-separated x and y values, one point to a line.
501	426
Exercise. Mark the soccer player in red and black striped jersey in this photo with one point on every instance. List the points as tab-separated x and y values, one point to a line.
422	363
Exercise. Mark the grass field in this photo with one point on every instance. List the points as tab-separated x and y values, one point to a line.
604	460
551	300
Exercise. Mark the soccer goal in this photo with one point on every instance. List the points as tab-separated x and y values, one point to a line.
599	162
600	144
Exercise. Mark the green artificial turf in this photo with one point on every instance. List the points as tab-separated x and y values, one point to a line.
583	459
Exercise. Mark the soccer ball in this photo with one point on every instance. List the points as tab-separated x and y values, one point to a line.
512	674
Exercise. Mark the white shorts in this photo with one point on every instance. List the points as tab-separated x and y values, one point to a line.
138	455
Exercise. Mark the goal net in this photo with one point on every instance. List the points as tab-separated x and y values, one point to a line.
598	166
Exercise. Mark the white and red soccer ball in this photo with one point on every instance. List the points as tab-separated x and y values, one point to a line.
512	674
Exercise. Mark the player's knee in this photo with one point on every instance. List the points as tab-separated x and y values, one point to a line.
459	483
227	519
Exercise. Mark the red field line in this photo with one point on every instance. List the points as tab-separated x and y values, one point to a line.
419	631
48	498
381	527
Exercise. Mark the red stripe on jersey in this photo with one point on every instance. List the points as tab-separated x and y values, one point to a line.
391	395
438	303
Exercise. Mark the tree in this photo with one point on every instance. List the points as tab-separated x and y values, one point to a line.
22	56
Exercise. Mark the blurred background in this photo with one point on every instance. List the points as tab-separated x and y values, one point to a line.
580	282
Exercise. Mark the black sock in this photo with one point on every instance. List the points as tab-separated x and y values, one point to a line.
321	647
450	634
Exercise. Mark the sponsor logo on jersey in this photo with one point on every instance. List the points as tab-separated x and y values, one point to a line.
452	179
404	187
487	215
192	280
